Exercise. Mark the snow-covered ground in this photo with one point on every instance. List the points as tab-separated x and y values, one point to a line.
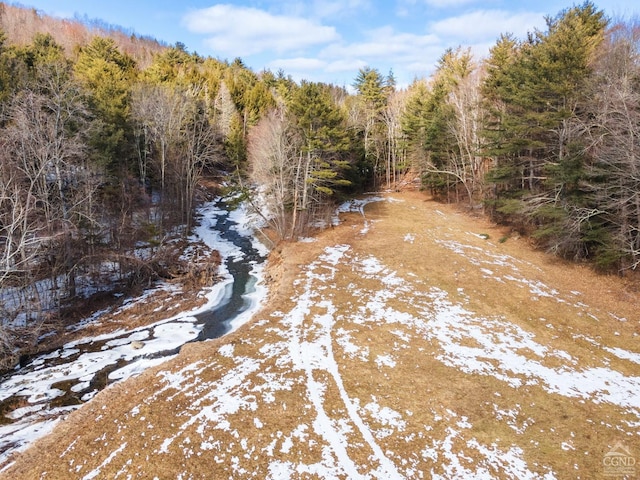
80	361
308	333
364	375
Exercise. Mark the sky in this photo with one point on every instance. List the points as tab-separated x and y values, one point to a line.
329	40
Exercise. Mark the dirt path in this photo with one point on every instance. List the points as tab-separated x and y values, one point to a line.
411	341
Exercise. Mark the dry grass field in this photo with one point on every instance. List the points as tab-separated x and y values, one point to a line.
411	341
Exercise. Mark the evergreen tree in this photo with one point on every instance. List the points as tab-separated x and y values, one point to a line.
257	101
107	76
370	86
534	92
414	121
170	66
6	73
3	66
371	100
320	127
430	120
235	143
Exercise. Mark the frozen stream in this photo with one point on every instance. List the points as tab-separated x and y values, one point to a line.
52	384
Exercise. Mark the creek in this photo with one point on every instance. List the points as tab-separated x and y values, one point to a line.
41	391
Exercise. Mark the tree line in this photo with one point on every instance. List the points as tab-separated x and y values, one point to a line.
542	135
102	150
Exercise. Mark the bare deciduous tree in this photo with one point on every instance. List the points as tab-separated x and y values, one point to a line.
613	124
197	149
46	198
391	116
273	158
465	98
177	137
224	110
159	111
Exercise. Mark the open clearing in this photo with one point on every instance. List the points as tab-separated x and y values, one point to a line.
410	341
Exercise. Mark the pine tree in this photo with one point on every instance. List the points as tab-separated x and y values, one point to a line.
320	126
371	100
431	124
534	91
107	76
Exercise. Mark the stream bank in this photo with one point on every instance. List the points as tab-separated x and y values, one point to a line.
36	395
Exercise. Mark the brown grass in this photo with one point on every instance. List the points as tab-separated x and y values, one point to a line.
432	398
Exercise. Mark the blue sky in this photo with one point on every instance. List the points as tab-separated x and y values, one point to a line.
328	40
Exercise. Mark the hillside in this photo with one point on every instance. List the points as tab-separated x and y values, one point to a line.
410	341
21	24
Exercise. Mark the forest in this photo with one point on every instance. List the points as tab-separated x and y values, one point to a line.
106	137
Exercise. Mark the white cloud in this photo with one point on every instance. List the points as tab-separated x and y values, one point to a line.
382	44
297	64
240	31
316	70
298	41
486	24
409	55
334	8
419	68
345	65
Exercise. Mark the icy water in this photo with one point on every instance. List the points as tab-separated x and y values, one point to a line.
36	395
217	321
